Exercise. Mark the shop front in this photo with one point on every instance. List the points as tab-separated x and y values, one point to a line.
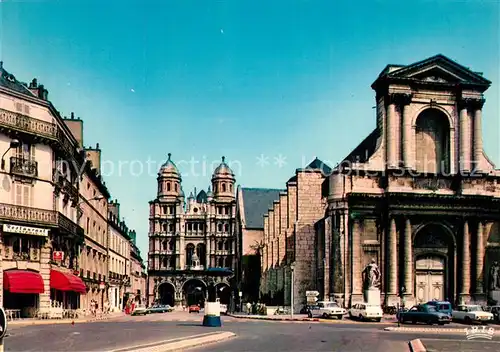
21	292
66	288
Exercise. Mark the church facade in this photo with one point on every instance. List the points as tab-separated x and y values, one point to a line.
418	196
191	242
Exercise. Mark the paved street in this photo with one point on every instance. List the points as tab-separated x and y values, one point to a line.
252	335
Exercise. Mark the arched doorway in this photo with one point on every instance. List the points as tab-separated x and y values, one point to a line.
432	141
166	293
194	291
434	251
223	292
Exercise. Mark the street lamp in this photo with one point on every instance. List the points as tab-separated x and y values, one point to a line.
13	145
292	267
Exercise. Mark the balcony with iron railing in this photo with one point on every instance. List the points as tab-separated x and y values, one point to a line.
23	167
14	123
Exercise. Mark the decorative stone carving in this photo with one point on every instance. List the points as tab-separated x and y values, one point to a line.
432	184
494	277
371	276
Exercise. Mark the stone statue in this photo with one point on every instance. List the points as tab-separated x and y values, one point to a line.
494	278
371	276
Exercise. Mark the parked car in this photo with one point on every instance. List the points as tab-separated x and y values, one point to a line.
305	309
326	309
442	306
423	313
160	308
194	308
469	314
363	311
139	310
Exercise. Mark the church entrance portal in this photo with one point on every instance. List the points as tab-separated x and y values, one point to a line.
430	271
194	292
434	255
166	293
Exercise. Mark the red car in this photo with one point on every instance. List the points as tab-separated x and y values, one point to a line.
194	308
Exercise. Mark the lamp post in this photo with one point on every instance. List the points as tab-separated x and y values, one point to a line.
13	145
292	267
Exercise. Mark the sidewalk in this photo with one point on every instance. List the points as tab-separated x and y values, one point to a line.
296	317
27	322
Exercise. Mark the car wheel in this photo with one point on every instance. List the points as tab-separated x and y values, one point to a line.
360	317
340	316
325	316
378	320
468	320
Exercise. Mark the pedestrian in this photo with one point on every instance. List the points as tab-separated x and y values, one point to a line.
249	308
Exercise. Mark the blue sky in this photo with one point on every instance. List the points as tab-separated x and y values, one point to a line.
202	79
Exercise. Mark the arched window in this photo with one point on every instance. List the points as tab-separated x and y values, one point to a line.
165	262
175	186
230	187
226	245
165	245
168	186
220	262
215	188
223	187
219	227
228	262
220	245
171	245
226	227
164	227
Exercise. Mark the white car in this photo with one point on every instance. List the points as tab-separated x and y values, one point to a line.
326	309
363	311
471	314
140	310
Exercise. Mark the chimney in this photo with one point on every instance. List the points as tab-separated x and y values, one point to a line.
76	128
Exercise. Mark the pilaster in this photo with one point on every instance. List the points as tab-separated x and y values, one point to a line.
465	273
45	273
479	258
478	137
392	133
393	258
465	139
357	282
408	258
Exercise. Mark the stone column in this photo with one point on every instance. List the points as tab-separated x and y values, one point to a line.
207	253
408	253
392	129
465	274
357	284
465	151
393	258
407	137
479	258
478	137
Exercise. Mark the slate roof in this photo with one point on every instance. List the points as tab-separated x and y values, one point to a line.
201	197
365	149
256	203
7	80
317	164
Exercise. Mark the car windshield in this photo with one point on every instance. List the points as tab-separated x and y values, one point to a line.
444	307
331	305
475	308
431	309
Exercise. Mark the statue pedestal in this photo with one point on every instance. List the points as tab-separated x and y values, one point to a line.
495	296
372	297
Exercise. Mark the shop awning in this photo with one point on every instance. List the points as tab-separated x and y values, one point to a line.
66	282
22	281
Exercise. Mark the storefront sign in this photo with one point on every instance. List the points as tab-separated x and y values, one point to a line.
3	323
58	256
25	230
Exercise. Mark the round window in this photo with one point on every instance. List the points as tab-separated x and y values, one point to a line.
195	210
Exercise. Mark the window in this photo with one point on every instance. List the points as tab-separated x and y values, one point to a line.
164	209
175	186
219	227
226	228
25	151
223	187
168	187
23	195
230	187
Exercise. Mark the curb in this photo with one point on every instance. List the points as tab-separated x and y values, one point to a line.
416	346
273	319
60	321
180	344
429	330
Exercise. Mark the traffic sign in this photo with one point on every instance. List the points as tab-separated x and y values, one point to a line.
312	293
312	299
3	323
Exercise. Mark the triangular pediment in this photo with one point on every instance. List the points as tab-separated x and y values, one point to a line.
439	69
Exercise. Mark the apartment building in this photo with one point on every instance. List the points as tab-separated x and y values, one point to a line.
39	231
93	215
119	247
137	271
